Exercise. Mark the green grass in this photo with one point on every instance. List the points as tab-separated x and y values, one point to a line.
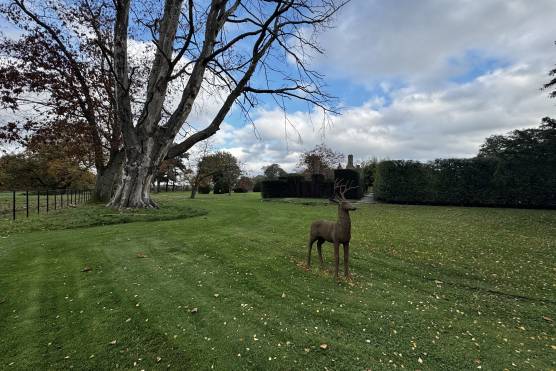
91	214
434	288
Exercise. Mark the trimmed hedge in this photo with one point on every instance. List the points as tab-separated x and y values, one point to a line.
295	187
468	182
350	178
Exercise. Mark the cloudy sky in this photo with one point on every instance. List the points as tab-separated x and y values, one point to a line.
416	80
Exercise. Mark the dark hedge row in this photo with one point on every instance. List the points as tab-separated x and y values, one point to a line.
296	187
350	178
470	182
318	187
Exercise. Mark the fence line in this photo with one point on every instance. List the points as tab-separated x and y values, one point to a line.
17	204
46	200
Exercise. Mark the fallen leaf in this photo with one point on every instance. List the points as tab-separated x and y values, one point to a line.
141	255
194	310
158	359
283	295
548	319
86	269
420	360
324	346
307	350
216	295
113	342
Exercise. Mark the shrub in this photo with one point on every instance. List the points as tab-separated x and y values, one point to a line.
274	189
402	182
204	189
470	182
296	188
351	178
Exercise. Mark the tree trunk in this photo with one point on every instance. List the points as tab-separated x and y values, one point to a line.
193	191
134	189
108	178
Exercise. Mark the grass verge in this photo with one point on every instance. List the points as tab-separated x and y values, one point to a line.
434	288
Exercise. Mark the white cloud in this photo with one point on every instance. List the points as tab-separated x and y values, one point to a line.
415	40
413	51
450	122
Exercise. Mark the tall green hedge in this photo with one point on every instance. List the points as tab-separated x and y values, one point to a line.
295	185
470	182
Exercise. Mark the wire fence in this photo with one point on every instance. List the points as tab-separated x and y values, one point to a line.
22	204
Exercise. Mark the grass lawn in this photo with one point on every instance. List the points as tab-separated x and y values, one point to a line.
434	288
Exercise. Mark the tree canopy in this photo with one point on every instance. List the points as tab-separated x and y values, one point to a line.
320	159
537	142
225	48
273	171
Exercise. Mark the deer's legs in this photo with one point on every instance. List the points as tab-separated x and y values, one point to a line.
319	248
346	260
310	245
336	258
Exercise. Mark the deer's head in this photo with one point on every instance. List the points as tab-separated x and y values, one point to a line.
339	198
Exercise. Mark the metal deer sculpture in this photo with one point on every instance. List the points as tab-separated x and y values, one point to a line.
338	232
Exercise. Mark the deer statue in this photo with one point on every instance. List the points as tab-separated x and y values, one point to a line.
338	232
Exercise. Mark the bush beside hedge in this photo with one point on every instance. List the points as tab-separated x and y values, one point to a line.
468	182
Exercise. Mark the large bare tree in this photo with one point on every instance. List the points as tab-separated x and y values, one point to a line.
236	49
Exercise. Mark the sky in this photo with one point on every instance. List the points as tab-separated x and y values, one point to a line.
416	80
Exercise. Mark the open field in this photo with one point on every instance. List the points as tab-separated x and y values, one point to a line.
433	288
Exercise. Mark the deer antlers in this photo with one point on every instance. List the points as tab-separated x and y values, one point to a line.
341	189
